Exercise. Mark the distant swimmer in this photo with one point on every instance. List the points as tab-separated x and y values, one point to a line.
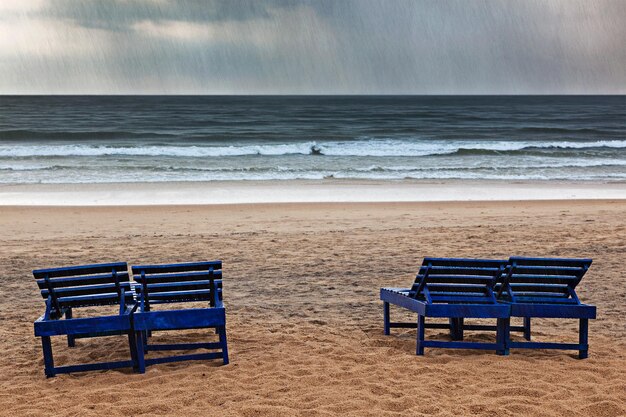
315	150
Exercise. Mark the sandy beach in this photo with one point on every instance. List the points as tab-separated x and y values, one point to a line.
301	286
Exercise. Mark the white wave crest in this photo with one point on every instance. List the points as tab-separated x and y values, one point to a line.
374	147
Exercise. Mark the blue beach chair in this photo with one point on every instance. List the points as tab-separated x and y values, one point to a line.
66	289
179	283
545	287
455	289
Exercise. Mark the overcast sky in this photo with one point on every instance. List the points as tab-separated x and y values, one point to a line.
313	47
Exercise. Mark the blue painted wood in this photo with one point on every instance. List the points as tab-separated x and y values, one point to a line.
180	358
179	283
81	280
386	324
179	267
527	328
419	346
503	335
184	346
454	288
80	286
193	318
480	327
545	287
68	271
583	351
70	339
460	345
545	345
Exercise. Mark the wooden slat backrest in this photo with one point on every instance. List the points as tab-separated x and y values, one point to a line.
457	280
198	281
84	285
542	280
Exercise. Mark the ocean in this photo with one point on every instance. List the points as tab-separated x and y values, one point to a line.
107	139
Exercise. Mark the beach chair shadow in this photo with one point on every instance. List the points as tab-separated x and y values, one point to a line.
545	287
68	288
179	283
455	289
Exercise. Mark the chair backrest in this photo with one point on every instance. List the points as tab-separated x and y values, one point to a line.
457	280
542	280
85	285
175	283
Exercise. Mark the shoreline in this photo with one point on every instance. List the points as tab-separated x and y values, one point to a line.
302	191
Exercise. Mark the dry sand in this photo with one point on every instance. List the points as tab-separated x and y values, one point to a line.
304	319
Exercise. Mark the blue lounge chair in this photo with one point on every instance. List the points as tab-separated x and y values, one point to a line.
179	283
455	289
65	289
545	287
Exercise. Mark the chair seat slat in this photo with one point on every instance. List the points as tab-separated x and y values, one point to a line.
179	277
80	270
180	286
183	267
567	262
86	290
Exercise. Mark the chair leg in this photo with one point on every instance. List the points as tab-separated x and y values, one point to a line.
453	328
70	339
421	321
144	338
583	331
47	356
527	328
224	345
503	334
141	363
456	328
132	344
386	318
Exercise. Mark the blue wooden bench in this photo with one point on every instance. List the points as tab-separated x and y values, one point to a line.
66	289
455	289
545	287
179	283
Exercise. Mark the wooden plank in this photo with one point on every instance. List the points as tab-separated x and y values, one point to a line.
81	326
184	346
82	280
521	298
180	267
553	311
180	319
80	270
450	270
545	345
489	263
574	262
94	300
178	277
460	345
181	296
180	358
179	286
460	299
459	279
522	287
86	290
461	288
467	310
402	300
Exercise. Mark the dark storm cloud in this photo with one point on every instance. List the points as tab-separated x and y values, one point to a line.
121	14
344	46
